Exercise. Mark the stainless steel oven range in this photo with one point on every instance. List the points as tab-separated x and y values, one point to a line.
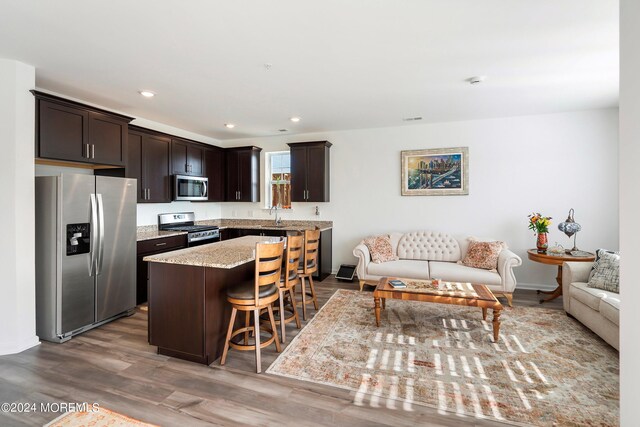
185	221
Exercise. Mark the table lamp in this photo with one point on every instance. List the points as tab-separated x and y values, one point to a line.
570	227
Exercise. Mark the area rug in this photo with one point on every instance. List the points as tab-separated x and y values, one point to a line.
546	369
100	418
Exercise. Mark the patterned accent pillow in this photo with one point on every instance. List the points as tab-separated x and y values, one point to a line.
597	261
606	275
483	254
380	248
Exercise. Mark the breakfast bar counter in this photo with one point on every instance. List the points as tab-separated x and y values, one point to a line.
188	309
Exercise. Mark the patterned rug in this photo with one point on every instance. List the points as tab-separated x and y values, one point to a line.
100	418
547	369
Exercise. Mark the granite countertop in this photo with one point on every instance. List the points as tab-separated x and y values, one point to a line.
148	232
267	224
225	254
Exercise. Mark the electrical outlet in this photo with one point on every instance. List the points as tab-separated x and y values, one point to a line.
234	213
249	214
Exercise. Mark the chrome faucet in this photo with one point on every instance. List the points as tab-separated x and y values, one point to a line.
275	208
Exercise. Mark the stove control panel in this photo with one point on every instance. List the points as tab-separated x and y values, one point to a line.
203	235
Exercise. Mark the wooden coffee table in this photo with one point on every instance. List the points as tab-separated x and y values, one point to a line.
468	294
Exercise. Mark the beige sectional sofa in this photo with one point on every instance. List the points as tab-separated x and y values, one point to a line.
597	309
431	255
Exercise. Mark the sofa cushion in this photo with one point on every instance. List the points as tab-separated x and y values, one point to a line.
380	249
451	271
483	254
429	246
411	269
610	308
590	297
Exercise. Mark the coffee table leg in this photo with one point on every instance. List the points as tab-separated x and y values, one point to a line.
377	304
484	313
496	324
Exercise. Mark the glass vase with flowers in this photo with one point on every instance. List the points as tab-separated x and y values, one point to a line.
540	226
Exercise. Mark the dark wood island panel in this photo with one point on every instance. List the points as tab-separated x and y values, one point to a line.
188	309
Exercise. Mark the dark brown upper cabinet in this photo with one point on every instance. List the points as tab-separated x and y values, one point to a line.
187	158
148	162
310	173
69	131
243	174
215	171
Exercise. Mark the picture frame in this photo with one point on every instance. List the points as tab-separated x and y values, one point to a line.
435	172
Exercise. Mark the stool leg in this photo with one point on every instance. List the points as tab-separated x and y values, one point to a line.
256	319
282	324
313	293
292	295
303	289
229	332
247	321
273	328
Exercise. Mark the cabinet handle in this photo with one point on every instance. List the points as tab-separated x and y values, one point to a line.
148	194
93	151
161	244
87	152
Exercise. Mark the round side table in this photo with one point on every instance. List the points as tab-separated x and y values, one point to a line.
556	260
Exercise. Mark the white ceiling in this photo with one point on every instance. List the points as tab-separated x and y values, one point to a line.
337	64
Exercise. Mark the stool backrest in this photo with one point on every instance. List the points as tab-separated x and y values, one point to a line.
268	265
311	244
292	259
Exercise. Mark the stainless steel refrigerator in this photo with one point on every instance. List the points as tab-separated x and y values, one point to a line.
85	253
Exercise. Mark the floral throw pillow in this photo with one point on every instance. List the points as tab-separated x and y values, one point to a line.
483	254
606	275
380	249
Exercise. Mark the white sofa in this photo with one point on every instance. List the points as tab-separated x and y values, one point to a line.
597	309
434	255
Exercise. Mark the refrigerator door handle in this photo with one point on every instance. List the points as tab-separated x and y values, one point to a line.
93	244
100	234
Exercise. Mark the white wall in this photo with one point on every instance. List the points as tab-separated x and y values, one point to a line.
547	163
148	212
629	211
17	254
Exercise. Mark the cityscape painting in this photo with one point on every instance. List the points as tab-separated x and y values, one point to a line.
435	172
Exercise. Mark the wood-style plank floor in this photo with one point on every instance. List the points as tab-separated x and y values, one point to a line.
115	367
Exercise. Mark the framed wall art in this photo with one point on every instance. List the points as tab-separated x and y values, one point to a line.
435	172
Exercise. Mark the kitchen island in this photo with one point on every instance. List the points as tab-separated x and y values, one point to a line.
188	309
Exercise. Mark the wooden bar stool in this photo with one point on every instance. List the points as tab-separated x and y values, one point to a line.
307	267
254	297
288	282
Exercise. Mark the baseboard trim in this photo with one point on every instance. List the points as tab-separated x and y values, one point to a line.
18	347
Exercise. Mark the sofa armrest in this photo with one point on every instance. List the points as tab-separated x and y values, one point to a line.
573	272
364	257
507	260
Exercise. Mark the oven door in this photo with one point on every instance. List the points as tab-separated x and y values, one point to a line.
190	187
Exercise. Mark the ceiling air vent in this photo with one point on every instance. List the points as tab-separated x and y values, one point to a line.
411	119
283	130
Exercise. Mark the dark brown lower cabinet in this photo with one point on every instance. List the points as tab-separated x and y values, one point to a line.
188	308
153	247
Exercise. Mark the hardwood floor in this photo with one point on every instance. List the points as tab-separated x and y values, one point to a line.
115	367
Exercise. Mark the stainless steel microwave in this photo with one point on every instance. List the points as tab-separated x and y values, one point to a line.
190	187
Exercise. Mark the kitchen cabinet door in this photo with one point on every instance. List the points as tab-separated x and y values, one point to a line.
243	174
179	164
63	132
107	139
195	159
156	168
133	168
310	172
215	171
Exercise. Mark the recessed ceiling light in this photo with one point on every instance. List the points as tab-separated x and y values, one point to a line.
229	125
147	93
283	130
411	119
295	119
